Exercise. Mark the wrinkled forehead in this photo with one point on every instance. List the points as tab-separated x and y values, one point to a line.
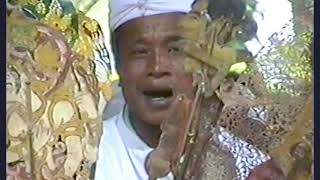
161	25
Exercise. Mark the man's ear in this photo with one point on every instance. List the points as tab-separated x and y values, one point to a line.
119	68
120	73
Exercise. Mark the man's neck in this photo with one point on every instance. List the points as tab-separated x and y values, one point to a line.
150	134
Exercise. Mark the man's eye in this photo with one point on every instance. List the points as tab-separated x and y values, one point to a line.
174	49
140	51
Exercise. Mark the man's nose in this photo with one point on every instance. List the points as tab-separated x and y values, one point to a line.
159	66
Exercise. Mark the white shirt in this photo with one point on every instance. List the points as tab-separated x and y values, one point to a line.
122	153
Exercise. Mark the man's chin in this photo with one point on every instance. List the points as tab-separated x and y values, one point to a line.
156	118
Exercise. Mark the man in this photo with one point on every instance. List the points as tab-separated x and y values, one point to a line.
152	76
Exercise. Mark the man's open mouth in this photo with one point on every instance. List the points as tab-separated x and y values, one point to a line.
159	97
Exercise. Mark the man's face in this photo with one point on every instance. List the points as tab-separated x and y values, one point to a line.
152	66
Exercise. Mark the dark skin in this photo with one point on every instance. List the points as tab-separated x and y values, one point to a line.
152	75
267	171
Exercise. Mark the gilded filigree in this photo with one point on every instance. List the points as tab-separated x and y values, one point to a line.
54	98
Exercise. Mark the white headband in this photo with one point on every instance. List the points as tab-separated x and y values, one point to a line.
125	10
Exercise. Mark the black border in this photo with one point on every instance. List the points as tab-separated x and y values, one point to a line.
316	90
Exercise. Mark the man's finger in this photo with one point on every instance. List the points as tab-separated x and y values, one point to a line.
267	171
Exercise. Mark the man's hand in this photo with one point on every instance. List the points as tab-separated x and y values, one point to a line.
165	156
267	171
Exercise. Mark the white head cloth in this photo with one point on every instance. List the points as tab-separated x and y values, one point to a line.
125	10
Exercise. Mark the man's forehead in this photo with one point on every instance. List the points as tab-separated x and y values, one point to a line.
166	25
